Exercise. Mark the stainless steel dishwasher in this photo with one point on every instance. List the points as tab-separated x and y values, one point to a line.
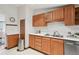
71	47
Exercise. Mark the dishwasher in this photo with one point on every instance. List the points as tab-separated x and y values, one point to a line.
71	47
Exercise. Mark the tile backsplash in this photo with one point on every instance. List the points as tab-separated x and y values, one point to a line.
58	26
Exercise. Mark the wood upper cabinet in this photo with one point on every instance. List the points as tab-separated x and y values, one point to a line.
32	41
46	45
58	14
48	16
57	47
38	42
77	15
69	15
12	40
39	20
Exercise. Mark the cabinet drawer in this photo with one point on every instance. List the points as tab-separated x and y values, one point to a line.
58	40
38	44
38	47
38	39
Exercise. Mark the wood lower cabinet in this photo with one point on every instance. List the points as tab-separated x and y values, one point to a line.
32	41
46	45
12	40
38	42
57	47
50	46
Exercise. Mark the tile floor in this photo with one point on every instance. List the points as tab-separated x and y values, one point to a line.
14	51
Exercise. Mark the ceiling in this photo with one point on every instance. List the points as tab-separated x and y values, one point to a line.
34	6
42	6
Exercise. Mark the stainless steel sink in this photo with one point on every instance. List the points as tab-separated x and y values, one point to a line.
53	35
73	36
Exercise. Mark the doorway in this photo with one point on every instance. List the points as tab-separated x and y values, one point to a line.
22	29
2	31
22	33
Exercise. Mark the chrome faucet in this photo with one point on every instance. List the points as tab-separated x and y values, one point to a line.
56	33
38	31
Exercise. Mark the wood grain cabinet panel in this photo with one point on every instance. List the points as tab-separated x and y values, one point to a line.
39	20
58	14
57	47
48	16
69	15
12	40
46	45
38	42
32	41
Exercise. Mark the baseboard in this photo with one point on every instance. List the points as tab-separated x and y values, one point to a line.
10	47
7	48
27	48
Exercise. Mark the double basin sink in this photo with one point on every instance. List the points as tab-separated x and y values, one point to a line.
54	35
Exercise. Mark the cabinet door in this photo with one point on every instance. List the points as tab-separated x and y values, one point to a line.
12	40
58	14
39	20
48	17
57	47
38	43
31	41
69	15
46	45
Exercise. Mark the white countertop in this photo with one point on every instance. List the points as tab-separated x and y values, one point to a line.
63	38
13	34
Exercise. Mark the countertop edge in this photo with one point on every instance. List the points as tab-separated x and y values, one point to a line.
63	38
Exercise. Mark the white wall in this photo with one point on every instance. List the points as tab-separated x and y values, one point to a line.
28	23
21	12
10	11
